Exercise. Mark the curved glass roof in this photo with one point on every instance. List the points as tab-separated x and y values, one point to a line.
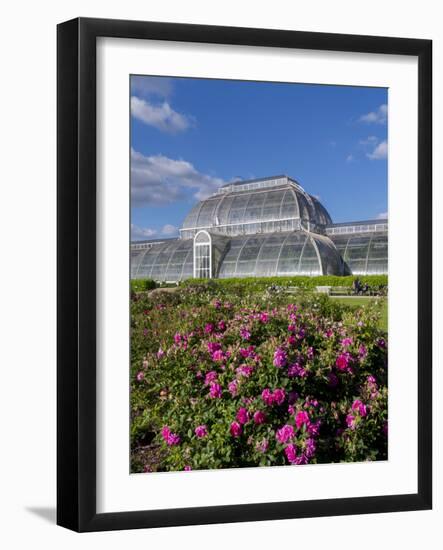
170	261
364	253
293	253
246	203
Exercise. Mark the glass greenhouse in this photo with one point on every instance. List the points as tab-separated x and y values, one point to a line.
263	227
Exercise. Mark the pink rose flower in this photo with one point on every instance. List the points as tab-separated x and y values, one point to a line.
359	407
165	431
173	439
263	317
140	376
279	395
249	352
280	358
213	346
350	421
218	356
170	437
314	428
285	433
233	388
342	361
242	415
292	340
201	431
301	418
346	342
267	396
259	417
291	453
215	390
310	447
244	370
296	370
235	429
211	376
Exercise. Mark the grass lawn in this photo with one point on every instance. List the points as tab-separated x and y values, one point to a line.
361	301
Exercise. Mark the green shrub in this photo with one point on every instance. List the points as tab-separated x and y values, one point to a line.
141	285
261	283
223	380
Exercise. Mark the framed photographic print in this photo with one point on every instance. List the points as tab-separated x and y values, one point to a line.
244	274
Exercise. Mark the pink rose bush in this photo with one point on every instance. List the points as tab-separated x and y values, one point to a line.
220	381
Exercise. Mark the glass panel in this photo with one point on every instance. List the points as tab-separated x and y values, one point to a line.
206	214
222	213
309	264
303	206
289	207
191	218
170	261
378	255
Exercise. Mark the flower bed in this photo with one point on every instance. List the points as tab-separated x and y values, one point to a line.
219	381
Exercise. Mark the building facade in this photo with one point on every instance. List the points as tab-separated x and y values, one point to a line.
260	228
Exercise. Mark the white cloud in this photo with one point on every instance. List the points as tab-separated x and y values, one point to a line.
376	117
161	116
379	152
143	86
382	216
160	180
139	233
350	158
370	140
169	229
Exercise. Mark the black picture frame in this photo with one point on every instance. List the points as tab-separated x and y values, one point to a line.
76	265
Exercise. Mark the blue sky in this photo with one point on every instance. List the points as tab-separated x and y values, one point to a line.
189	136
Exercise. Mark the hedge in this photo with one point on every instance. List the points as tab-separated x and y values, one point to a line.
260	283
140	285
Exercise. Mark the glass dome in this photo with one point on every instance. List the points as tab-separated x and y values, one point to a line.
257	206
